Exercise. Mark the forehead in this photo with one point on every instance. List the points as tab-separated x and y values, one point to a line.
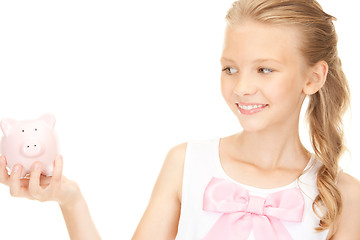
251	40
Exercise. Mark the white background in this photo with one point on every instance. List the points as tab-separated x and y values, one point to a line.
126	80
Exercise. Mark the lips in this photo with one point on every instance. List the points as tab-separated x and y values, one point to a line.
251	108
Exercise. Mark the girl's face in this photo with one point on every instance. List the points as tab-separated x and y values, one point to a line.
262	67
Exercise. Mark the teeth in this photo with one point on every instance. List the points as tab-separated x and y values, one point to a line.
248	107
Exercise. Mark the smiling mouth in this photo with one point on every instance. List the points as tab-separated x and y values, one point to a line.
249	109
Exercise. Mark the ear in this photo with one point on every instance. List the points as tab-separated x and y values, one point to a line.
316	78
6	125
49	119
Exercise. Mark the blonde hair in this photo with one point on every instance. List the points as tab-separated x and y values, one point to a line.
327	106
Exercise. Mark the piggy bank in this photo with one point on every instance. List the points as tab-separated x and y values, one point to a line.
29	141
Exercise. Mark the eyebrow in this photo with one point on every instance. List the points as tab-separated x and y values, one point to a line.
260	60
226	59
266	60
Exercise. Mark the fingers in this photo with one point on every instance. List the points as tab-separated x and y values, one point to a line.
37	186
57	173
14	181
34	184
4	176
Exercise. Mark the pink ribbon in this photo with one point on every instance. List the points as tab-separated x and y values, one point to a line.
243	213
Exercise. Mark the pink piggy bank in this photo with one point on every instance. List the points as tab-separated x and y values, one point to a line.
29	141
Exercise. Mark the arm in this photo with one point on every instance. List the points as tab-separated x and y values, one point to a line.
161	218
78	220
56	188
348	224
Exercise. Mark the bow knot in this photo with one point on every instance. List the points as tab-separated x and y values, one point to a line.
256	205
243	213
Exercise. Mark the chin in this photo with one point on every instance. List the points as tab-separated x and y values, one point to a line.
253	126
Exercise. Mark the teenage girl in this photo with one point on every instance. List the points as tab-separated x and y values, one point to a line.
262	183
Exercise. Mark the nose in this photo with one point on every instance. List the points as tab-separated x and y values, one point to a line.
32	148
245	85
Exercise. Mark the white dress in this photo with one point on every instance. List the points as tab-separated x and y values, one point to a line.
202	163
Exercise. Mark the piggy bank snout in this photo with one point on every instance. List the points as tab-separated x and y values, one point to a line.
32	148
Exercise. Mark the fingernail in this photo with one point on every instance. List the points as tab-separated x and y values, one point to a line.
16	169
36	166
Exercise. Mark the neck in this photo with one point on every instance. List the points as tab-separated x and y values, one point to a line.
272	148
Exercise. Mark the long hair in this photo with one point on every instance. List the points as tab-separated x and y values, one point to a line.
327	106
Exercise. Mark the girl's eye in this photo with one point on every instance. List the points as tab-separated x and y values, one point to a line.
229	70
265	70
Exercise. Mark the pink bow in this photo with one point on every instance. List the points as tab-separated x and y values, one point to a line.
243	213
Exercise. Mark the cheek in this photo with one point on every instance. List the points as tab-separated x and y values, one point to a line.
226	88
280	92
285	93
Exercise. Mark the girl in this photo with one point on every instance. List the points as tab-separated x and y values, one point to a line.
275	54
262	183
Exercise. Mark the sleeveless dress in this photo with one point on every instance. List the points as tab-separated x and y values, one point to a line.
202	163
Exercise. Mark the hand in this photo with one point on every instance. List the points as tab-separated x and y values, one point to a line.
37	186
56	188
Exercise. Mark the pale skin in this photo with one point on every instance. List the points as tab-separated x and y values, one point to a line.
56	188
262	64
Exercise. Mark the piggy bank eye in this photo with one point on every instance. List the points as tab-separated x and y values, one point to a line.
23	130
35	129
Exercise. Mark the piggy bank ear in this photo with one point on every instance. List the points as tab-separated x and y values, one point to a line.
6	125
49	119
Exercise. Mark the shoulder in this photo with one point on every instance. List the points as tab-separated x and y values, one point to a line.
173	166
348	183
169	181
348	224
350	190
176	156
